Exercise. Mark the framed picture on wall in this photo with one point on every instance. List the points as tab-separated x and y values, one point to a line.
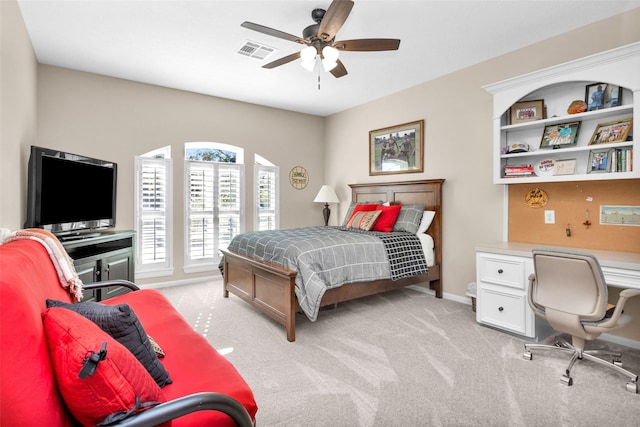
397	149
560	136
527	111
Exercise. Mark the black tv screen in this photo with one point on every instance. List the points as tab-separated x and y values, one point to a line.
69	193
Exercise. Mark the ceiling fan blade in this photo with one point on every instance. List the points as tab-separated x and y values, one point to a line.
282	61
272	32
334	18
367	45
339	70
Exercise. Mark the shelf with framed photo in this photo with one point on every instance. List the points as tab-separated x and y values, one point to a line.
575	140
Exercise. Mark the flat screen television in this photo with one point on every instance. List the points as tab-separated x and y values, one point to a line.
69	194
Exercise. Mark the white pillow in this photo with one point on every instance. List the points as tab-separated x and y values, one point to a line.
425	222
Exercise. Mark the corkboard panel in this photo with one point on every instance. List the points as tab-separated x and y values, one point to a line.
570	201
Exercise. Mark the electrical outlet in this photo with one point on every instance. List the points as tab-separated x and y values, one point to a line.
549	217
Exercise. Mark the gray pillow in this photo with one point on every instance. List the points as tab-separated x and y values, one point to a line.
409	218
123	325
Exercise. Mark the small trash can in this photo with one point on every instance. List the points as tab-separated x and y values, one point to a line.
471	292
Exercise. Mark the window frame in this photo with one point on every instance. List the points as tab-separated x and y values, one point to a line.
145	269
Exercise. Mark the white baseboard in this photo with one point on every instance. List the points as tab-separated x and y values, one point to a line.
159	285
620	341
445	295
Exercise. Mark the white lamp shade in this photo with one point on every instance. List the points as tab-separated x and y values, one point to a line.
308	57
326	195
329	58
330	53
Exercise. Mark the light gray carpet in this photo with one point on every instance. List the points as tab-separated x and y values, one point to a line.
403	358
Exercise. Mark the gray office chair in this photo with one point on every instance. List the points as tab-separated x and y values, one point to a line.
569	291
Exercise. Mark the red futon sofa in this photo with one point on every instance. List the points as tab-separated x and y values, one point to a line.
39	380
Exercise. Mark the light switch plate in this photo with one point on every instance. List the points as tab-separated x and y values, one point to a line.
549	217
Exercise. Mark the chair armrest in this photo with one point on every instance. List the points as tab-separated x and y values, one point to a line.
624	295
188	404
530	290
111	283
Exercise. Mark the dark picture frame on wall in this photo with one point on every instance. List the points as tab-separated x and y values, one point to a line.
561	135
527	111
397	149
602	95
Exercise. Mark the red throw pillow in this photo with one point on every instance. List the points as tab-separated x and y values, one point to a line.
119	386
387	219
364	207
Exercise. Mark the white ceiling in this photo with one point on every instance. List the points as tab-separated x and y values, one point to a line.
192	45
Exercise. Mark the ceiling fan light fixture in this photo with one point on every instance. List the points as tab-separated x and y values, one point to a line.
308	57
328	65
329	58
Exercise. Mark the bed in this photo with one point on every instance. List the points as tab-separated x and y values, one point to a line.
271	288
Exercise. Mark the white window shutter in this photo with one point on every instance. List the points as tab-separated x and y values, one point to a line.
153	214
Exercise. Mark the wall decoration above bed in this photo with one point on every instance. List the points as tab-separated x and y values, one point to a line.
397	149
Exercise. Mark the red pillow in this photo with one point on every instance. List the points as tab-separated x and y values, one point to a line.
387	218
364	207
117	382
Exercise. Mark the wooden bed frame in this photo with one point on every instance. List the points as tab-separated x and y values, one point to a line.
270	288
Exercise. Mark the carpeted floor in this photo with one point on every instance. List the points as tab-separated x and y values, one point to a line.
403	358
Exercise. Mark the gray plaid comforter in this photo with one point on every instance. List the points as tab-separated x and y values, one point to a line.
329	257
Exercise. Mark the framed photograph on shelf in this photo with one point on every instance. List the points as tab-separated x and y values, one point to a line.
560	136
614	131
527	111
565	167
397	149
602	95
600	161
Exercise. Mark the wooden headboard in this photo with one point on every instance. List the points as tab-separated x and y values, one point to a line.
427	193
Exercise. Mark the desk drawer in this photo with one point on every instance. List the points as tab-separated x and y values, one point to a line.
502	270
503	310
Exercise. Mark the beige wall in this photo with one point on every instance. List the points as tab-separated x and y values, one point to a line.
458	138
116	119
18	67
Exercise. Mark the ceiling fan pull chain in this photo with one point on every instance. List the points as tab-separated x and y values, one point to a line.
318	80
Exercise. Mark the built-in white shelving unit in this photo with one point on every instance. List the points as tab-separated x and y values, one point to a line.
558	86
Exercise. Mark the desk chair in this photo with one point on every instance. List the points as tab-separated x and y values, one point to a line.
569	291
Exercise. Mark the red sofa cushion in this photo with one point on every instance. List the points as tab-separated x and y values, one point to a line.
28	392
121	322
195	366
119	384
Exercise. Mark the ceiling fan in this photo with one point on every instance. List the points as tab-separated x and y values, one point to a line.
319	39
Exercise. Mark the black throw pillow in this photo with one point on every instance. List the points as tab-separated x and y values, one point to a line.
123	325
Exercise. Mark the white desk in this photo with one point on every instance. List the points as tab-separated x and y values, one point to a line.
621	269
502	271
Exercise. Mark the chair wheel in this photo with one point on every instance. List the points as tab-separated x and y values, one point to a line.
568	380
632	387
527	355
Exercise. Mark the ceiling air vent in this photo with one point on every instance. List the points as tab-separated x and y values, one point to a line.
255	50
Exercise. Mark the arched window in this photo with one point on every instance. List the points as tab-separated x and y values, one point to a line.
214	201
266	195
153	219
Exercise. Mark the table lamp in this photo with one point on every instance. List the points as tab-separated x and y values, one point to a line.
326	195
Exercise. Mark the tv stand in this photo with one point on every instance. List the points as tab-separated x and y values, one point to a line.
102	256
78	236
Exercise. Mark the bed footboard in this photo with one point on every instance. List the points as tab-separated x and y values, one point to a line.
269	288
